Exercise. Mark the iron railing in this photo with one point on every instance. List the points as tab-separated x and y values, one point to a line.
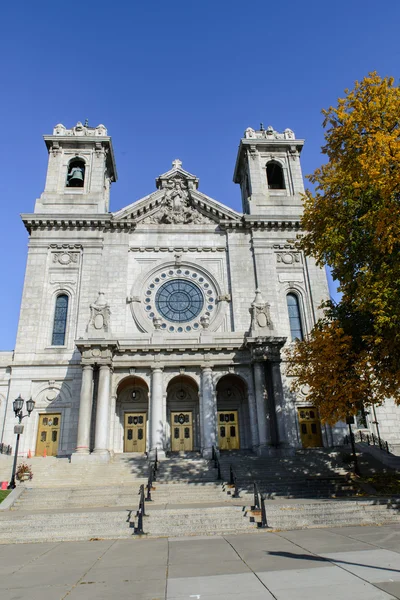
259	505
5	449
233	482
141	512
152	477
370	439
217	464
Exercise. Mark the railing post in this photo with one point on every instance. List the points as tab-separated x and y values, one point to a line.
368	439
231	481
219	476
256	497
264	523
149	484
141	502
139	529
236	494
387	447
156	461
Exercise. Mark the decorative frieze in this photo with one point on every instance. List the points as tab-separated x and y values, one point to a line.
177	249
66	258
288	258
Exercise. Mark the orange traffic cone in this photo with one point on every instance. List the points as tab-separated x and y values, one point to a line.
44	453
29	454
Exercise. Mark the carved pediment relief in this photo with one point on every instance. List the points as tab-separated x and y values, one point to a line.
177	201
176	206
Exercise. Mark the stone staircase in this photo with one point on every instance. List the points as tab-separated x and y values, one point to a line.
60	472
308	474
100	501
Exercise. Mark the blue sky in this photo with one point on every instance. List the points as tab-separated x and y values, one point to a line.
171	79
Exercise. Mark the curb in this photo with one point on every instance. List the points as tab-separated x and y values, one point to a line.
11	498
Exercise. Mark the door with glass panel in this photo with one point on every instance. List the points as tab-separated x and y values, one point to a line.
228	430
181	431
48	435
135	432
310	427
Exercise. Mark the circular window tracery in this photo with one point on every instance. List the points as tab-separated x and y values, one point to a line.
179	301
179	297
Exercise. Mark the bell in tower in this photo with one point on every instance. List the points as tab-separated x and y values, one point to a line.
80	172
76	173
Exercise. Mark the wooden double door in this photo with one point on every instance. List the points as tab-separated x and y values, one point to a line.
135	432
182	431
310	427
228	430
48	435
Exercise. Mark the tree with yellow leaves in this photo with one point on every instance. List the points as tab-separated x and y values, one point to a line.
352	224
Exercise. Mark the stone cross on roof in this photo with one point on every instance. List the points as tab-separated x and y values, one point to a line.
176	163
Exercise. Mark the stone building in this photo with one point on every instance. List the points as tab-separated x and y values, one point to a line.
162	325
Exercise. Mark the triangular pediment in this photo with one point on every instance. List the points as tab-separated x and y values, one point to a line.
177	201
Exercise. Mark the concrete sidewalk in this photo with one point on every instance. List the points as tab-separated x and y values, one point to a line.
349	563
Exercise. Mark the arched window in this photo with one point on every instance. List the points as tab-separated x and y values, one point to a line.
275	178
76	173
296	329
60	320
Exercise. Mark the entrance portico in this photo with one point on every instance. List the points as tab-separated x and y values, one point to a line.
180	399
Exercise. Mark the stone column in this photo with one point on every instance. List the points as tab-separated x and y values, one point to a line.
111	420
252	412
102	413
209	412
156	412
279	401
85	411
261	394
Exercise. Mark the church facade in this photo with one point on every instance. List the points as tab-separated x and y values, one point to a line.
163	325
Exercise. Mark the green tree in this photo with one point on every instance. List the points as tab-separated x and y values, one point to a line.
352	224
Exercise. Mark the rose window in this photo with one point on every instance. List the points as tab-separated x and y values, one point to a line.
180	298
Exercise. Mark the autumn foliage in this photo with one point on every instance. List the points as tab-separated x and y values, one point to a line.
352	224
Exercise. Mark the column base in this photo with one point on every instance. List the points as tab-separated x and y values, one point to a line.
90	458
265	450
160	454
101	456
206	453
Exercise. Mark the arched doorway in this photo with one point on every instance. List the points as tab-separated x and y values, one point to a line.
183	414
233	413
132	411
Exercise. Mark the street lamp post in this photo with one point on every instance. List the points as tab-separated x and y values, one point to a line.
18	429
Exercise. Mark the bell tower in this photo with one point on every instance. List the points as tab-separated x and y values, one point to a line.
80	170
269	173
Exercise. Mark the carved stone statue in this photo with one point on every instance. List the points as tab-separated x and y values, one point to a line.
99	322
261	323
250	133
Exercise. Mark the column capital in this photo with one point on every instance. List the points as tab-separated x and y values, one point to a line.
206	368
87	366
157	369
104	366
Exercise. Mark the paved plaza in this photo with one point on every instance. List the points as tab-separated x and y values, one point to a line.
349	563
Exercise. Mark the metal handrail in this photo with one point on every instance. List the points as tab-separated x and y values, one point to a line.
233	482
155	462
217	464
150	479
138	530
259	502
370	439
